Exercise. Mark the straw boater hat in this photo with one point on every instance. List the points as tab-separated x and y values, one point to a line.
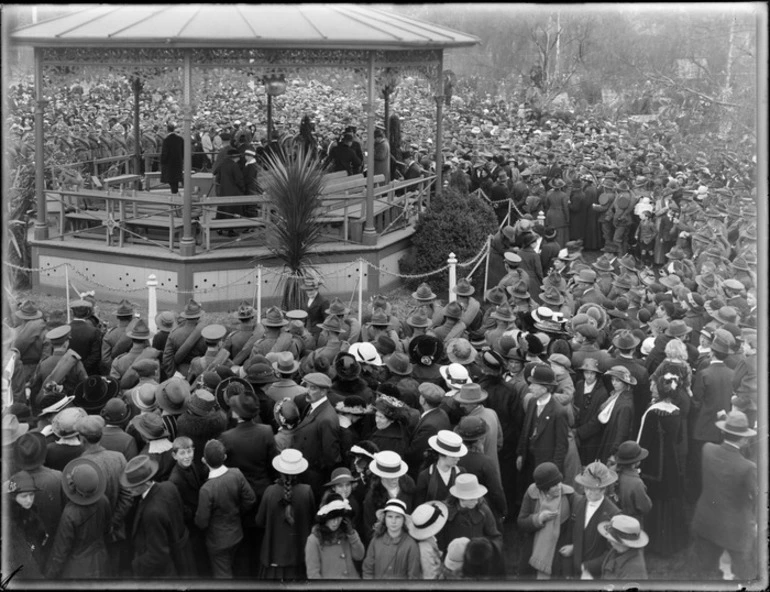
448	443
388	464
290	462
624	530
427	520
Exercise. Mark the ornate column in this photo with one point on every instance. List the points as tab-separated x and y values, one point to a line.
187	242
370	234
439	122
41	226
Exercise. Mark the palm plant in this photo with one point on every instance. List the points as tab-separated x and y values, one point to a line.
294	182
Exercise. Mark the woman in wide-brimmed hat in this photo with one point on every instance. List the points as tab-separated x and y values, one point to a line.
79	549
382	561
616	414
546	517
286	512
334	543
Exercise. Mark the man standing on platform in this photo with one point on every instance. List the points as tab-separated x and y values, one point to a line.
172	159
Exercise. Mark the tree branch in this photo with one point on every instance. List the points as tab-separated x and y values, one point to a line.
671	82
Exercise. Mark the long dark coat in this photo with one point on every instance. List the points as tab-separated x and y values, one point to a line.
497	249
579	206
284	545
619	428
79	550
172	158
589	545
593	231
726	511
588	429
556	205
230	178
161	539
250	447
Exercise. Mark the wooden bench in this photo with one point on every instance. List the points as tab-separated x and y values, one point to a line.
116	211
121	181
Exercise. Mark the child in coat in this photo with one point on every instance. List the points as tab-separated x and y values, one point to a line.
630	491
224	497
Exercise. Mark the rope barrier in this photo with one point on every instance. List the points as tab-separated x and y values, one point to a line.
281	274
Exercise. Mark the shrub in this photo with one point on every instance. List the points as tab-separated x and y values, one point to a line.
455	223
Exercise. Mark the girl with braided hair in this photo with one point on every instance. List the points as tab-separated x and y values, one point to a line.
286	513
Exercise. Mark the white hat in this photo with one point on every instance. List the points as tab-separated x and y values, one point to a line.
448	443
290	462
427	520
365	353
388	464
467	487
394	505
455	375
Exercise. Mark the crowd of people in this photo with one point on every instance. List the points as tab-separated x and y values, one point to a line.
604	407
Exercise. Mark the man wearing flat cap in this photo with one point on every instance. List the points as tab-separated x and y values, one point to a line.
317	435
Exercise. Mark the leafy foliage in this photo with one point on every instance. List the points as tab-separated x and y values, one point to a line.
294	182
455	223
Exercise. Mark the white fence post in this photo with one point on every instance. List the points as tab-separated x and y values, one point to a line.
452	262
259	293
67	280
360	291
152	302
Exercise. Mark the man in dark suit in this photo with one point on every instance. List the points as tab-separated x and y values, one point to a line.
172	159
725	515
544	434
588	547
432	420
85	339
711	392
230	182
161	541
317	435
185	342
